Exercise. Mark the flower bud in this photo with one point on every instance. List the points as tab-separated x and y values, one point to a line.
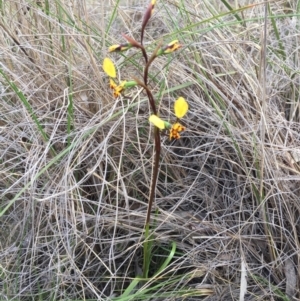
171	47
120	47
148	14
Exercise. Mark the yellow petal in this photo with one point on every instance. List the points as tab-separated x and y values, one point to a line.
157	121
109	67
180	107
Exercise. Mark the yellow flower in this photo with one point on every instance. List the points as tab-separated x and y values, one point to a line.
109	67
180	107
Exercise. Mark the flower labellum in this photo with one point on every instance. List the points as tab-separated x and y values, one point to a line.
175	130
118	89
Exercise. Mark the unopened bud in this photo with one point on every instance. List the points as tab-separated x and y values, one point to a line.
119	48
171	47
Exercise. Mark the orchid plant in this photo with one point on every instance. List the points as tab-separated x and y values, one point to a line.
180	106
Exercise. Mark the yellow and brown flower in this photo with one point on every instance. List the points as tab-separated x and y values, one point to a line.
180	108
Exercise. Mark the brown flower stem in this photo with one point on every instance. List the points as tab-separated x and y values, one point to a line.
149	95
145	55
155	173
151	201
152	102
149	62
157	145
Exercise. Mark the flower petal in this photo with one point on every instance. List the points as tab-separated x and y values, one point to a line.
180	107
157	122
109	67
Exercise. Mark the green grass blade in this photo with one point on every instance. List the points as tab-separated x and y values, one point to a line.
113	16
232	10
168	259
276	31
130	288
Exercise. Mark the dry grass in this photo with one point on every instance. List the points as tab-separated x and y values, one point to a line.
228	191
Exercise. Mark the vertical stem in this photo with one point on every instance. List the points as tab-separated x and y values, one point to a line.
148	62
147	244
155	173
